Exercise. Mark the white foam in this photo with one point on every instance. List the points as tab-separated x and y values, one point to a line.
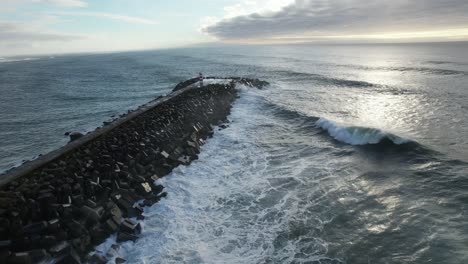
16	59
232	205
211	81
354	135
216	81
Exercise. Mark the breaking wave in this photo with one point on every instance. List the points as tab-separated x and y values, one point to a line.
2	60
355	135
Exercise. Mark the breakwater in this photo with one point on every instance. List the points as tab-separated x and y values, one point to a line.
58	207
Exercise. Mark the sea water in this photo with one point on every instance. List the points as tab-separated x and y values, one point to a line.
353	154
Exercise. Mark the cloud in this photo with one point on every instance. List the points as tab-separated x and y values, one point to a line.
243	8
64	3
35	35
323	18
9	6
17	32
255	6
117	17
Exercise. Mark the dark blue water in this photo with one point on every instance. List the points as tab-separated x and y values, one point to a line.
354	154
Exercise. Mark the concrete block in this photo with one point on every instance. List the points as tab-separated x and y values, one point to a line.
123	237
20	258
130	227
92	213
98	259
35	228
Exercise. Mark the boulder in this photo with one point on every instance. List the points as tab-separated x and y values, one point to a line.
120	260
75	135
123	237
98	259
20	258
130	227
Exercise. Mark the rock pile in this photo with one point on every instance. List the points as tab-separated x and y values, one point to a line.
245	81
186	83
250	82
61	210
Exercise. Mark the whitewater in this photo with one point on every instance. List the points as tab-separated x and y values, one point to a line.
266	190
238	207
358	135
353	154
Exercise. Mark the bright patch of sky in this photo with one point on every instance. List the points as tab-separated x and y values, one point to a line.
63	26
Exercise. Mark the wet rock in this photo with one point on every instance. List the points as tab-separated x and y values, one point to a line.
114	210
90	203
93	213
82	197
120	260
20	258
184	160
98	259
38	255
35	228
75	135
60	249
53	225
116	247
130	227
112	224
123	237
98	235
144	188
127	208
71	258
158	188
113	252
48	241
75	229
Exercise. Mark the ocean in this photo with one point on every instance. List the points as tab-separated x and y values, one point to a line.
353	154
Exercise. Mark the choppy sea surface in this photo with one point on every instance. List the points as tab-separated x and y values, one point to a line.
354	154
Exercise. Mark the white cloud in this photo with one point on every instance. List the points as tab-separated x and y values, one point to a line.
117	17
331	18
9	6
255	6
65	3
246	7
21	32
35	36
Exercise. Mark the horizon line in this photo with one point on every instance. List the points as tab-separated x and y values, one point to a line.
228	44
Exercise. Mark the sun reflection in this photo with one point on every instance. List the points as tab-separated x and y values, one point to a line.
388	112
377	218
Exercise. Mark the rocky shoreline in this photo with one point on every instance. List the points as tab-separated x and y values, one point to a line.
57	208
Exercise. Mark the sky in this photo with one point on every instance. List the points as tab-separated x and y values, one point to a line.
68	26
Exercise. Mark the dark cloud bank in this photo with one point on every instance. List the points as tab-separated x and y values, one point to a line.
334	17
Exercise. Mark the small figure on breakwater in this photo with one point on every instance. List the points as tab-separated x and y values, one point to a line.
200	79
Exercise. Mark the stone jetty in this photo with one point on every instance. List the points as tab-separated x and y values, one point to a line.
56	208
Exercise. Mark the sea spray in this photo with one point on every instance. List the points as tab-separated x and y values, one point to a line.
355	135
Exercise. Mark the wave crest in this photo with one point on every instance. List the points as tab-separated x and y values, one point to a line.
2	60
355	135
